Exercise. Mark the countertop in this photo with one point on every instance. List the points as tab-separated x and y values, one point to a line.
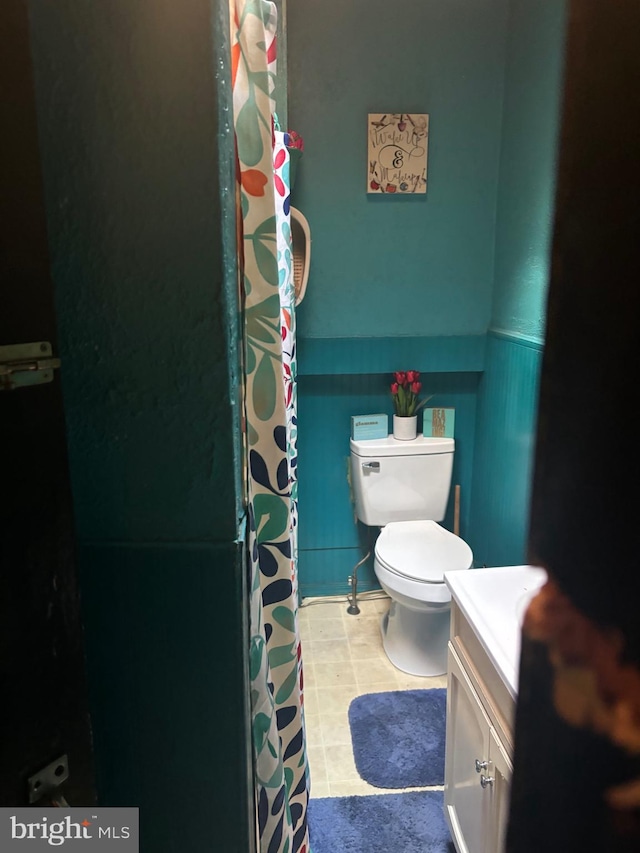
494	601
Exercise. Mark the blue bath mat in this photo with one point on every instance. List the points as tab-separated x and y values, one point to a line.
398	737
382	823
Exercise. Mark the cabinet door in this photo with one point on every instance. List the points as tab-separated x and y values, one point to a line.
501	770
467	803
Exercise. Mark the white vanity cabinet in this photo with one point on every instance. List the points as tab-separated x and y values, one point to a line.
483	655
478	768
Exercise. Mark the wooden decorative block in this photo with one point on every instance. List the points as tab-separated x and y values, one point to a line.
438	423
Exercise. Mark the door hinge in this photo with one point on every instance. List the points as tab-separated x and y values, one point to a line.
46	783
23	365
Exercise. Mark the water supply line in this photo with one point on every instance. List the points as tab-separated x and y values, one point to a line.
353	608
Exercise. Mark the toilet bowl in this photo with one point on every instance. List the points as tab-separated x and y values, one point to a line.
402	488
410	560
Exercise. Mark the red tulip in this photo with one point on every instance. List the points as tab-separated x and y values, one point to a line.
416	386
401	377
413	375
394	388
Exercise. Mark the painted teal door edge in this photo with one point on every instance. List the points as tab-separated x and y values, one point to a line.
187	707
442	354
247	720
233	331
227	183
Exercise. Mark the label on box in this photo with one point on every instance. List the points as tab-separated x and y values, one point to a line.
438	423
364	427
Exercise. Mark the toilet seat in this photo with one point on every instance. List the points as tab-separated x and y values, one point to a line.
421	551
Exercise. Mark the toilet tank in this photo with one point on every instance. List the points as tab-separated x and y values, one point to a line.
395	480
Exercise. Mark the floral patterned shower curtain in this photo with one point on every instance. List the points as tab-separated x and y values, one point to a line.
281	770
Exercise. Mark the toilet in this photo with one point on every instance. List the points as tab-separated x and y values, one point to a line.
403	487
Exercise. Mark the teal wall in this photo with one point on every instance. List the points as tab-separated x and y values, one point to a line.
384	266
348	376
503	450
427	283
508	393
130	140
395	283
331	541
527	165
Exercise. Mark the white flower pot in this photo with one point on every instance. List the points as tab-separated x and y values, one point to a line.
405	428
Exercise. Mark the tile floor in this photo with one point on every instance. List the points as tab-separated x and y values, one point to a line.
343	658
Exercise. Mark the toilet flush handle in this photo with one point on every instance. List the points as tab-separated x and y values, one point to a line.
371	466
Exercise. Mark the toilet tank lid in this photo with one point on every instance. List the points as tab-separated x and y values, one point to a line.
390	446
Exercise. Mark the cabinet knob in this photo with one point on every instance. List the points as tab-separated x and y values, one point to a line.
481	765
486	781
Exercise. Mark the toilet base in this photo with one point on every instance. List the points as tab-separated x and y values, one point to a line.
416	641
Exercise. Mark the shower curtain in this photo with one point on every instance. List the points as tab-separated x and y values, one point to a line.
280	764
